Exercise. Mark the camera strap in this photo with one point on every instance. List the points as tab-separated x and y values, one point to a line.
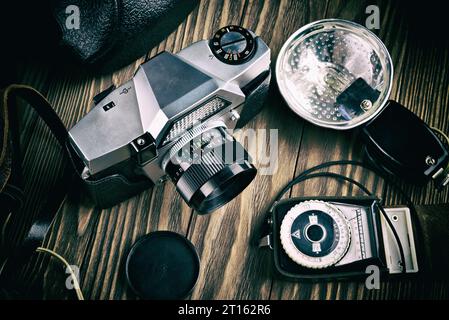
43	218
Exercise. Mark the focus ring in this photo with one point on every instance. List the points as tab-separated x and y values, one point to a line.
198	174
187	137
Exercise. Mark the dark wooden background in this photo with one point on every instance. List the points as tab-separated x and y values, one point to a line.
231	266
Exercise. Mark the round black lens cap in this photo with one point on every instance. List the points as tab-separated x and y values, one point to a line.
162	265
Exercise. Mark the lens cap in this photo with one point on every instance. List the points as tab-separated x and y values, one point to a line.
162	265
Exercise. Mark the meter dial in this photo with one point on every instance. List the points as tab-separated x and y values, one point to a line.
315	234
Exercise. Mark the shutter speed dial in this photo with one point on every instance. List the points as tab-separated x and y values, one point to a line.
233	45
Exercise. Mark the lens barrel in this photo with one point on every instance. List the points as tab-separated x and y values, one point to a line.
210	170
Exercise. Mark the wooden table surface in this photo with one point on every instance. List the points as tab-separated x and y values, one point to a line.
231	266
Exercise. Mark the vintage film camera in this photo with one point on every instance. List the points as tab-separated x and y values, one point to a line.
176	109
328	237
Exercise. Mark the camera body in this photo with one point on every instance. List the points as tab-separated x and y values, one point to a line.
338	238
175	110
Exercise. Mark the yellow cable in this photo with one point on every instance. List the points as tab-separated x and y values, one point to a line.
5	225
3	265
79	293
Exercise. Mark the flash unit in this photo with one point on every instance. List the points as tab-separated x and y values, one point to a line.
337	74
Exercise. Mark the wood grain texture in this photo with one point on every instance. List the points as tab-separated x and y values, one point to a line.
232	267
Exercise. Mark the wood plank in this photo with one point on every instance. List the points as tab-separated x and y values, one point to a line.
232	267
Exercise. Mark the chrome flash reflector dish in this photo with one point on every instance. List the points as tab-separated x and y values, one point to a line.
335	73
315	234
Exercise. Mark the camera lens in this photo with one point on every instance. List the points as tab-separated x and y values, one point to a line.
209	168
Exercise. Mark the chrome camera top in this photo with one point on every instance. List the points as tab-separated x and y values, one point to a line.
175	110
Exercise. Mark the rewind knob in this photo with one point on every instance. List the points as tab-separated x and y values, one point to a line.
233	45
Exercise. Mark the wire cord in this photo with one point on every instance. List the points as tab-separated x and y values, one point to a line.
445	136
76	285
